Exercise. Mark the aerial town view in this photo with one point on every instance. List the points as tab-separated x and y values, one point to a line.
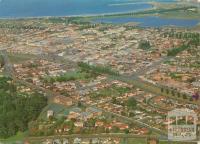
100	72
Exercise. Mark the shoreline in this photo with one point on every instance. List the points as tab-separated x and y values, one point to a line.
152	6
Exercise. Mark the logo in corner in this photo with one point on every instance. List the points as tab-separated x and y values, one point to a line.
182	125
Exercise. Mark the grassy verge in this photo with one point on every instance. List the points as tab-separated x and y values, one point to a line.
134	141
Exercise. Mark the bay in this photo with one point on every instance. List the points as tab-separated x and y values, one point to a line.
40	8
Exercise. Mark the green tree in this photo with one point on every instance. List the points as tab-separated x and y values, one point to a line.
131	103
145	45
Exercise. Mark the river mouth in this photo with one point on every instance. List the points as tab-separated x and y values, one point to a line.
149	21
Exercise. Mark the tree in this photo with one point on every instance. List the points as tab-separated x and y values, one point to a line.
114	100
126	131
162	89
178	94
175	51
131	103
145	45
184	96
167	91
79	104
123	113
131	114
2	62
173	93
115	129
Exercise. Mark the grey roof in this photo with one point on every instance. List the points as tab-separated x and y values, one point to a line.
77	110
93	110
85	114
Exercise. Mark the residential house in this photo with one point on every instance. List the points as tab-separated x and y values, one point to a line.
95	112
79	124
99	124
121	126
74	113
66	101
84	116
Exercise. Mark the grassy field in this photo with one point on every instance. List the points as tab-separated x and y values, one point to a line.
17	138
69	76
112	91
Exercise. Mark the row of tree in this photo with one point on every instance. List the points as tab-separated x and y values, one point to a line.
174	93
17	26
182	35
193	38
